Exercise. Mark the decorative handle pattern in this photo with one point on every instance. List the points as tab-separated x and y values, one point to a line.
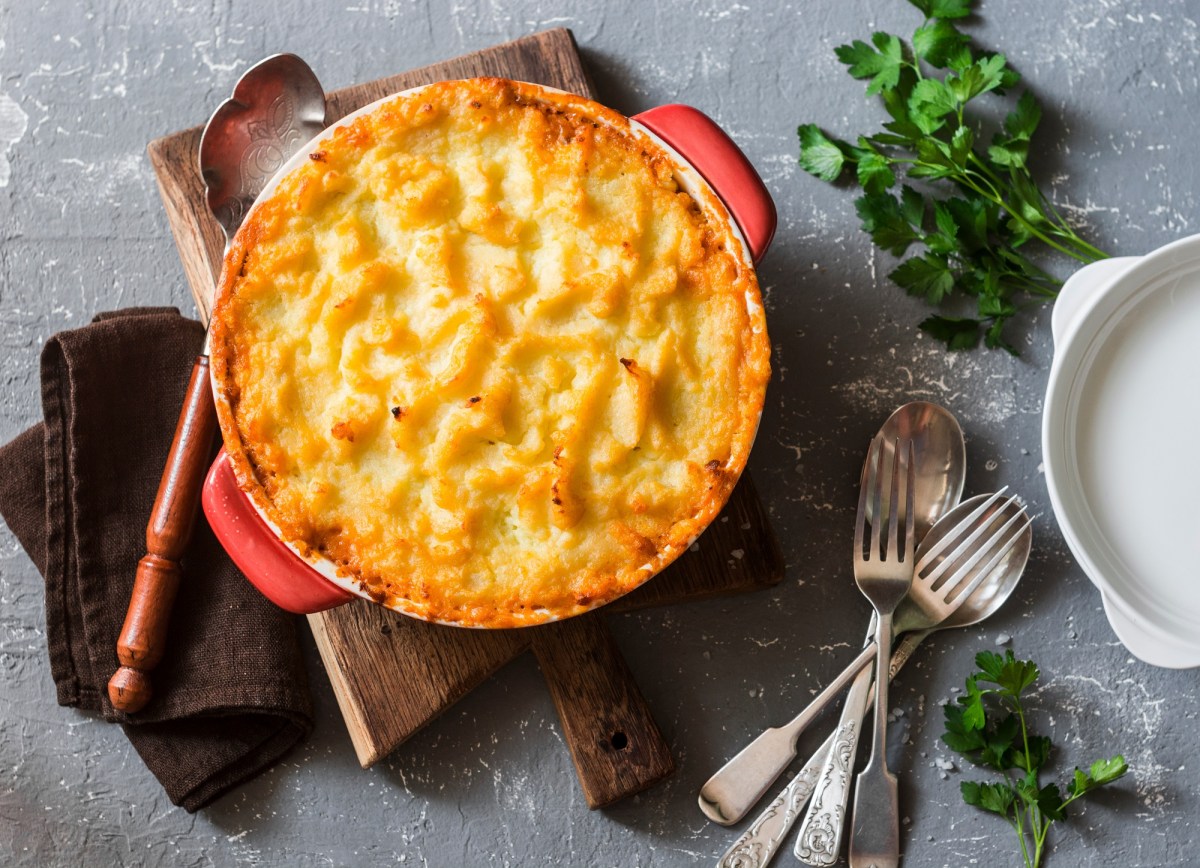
758	845
820	838
738	785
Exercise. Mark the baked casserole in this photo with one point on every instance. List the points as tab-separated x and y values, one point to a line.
483	353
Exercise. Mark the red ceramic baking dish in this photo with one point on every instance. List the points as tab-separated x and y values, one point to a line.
707	164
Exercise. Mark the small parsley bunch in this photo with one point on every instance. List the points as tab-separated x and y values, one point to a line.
988	726
973	240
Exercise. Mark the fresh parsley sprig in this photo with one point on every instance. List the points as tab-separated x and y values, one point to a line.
973	240
989	727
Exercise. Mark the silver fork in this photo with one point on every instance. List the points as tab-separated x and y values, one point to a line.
819	843
884	573
947	574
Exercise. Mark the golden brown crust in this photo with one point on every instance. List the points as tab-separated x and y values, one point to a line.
484	355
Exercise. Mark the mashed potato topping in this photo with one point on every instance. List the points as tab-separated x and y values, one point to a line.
483	353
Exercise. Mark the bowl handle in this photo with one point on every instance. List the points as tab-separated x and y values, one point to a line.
1148	644
722	164
273	568
1080	289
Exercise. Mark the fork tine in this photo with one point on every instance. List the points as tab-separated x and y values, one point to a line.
982	573
950	538
877	484
985	538
910	520
860	520
893	496
952	563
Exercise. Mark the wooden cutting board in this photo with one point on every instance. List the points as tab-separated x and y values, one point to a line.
392	675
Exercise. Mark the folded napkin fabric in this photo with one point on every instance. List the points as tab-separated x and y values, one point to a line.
230	696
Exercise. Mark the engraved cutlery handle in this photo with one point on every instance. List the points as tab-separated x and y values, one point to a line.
740	783
830	827
820	838
758	845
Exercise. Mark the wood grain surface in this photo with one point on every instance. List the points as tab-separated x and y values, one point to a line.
143	639
391	674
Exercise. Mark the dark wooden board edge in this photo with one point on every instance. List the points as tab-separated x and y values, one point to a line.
616	745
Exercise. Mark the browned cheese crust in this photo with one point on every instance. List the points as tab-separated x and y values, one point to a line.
483	353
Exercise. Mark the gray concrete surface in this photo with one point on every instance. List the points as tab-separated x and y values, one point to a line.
83	87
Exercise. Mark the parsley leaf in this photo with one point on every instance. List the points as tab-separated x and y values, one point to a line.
928	276
989	726
1011	675
875	172
980	77
938	43
1012	150
818	154
991	217
1102	772
930	103
881	64
955	332
943	8
996	798
884	220
1021	123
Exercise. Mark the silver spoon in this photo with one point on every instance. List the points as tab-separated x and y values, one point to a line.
759	844
1003	522
940	461
278	105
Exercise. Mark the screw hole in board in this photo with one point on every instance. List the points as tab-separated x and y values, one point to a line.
619	740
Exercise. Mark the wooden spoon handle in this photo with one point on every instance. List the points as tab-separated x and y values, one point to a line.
617	747
143	637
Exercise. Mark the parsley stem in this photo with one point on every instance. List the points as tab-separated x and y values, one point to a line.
1016	824
1044	293
1065	228
1039	841
1059	230
1020	821
1088	249
994	196
1036	822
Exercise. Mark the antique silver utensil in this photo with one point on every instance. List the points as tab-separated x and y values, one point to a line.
757	846
277	106
940	472
996	529
941	459
883	570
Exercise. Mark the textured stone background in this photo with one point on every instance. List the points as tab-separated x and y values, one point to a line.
84	86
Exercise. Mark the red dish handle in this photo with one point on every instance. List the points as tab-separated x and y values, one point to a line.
705	145
282	577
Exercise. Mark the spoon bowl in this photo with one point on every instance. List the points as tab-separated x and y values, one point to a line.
277	106
940	454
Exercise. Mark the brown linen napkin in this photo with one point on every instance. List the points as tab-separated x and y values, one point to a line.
231	697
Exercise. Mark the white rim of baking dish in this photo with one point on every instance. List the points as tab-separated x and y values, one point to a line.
1092	304
690	181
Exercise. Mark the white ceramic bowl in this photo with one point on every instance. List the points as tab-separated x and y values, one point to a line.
1119	439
